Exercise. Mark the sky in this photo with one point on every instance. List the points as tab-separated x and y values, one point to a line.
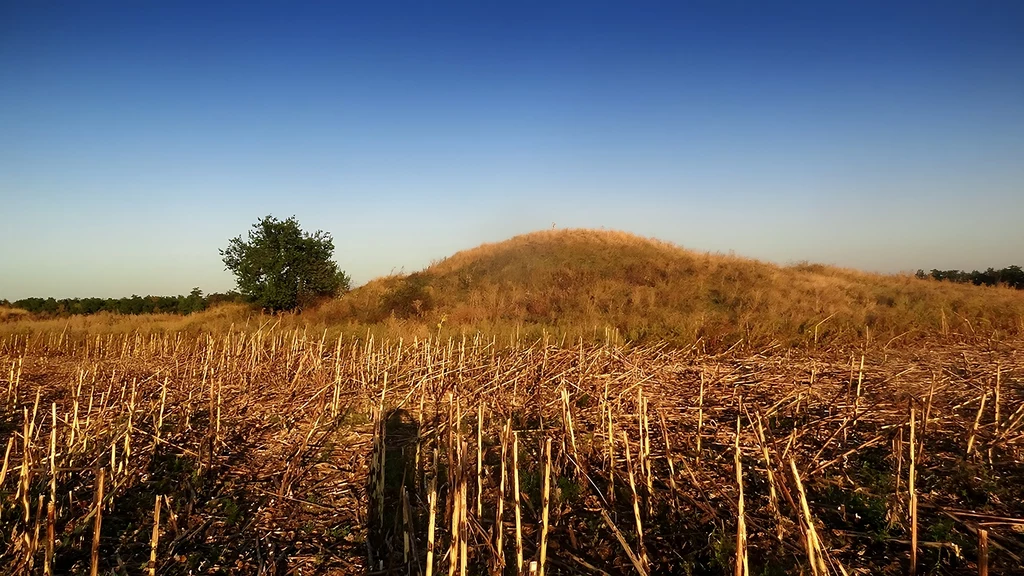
136	138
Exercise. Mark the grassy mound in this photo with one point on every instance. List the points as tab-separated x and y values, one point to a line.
580	282
8	314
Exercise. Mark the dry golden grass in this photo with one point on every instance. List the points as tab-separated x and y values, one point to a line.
215	319
11	314
580	282
281	451
358	438
613	286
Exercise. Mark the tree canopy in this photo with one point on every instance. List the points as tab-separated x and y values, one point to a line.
281	267
193	302
1012	276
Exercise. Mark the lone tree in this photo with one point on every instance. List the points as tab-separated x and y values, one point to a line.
281	267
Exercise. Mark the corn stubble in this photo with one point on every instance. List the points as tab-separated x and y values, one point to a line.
271	451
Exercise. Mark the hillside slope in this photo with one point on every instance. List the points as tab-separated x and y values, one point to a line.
585	280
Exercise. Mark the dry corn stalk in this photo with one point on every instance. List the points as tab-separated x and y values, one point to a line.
636	503
741	523
545	504
911	481
815	556
431	519
155	538
519	508
94	558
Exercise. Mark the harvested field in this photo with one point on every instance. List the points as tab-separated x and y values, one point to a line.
287	452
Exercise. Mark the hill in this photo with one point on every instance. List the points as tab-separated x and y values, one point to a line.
8	313
583	281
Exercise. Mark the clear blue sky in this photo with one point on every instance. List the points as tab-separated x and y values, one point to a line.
137	137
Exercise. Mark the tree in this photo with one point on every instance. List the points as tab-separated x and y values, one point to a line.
194	302
281	267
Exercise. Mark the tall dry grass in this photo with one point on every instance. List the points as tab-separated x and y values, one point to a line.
579	282
10	314
215	319
613	286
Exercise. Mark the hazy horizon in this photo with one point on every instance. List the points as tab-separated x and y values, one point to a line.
136	140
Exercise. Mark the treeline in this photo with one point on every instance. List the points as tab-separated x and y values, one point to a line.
1012	276
194	302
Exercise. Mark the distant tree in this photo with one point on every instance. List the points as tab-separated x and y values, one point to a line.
194	302
989	277
1011	276
281	267
217	298
1014	277
92	305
